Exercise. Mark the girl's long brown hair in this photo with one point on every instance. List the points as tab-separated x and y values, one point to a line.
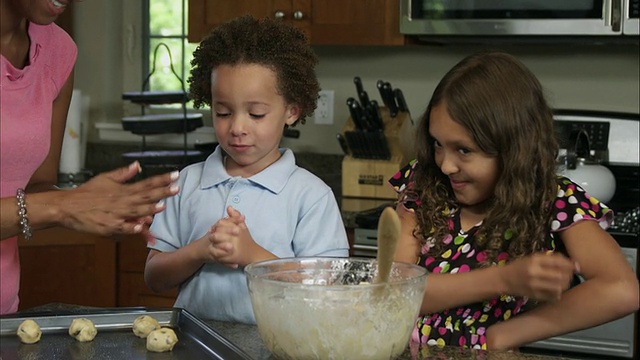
502	105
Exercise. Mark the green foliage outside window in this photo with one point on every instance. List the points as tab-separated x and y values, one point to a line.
168	24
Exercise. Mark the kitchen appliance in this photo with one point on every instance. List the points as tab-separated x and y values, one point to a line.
630	22
614	140
579	165
513	17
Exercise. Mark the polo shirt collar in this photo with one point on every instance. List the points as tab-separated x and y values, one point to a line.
273	178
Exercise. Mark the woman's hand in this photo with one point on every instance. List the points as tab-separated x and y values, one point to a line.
107	205
539	276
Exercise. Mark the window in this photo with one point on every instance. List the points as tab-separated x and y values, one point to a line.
167	23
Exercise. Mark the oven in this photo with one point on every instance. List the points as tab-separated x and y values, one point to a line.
631	20
615	141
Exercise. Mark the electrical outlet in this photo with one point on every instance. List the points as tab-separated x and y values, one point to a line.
324	111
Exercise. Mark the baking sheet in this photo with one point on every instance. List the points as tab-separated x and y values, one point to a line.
115	339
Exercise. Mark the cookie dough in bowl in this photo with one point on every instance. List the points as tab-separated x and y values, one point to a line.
330	308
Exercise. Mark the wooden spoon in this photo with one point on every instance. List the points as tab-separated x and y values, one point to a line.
388	235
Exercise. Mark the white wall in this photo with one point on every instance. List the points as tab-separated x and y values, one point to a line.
575	77
99	70
591	77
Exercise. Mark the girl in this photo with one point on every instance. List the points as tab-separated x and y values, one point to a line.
501	234
248	201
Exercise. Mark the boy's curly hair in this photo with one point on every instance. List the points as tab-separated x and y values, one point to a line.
502	105
274	44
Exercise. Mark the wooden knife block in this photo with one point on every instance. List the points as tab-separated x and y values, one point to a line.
366	178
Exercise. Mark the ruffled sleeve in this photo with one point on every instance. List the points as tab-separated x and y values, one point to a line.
574	204
402	183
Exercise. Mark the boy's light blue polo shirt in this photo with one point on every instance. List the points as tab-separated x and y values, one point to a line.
289	212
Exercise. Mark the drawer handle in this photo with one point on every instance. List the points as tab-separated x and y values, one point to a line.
365	247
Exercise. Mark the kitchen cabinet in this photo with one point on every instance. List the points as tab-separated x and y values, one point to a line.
132	291
325	22
65	266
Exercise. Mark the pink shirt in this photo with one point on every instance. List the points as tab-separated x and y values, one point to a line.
26	97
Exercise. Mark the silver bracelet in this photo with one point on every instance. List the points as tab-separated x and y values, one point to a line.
22	215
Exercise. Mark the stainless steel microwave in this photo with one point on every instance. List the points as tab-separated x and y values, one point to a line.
519	17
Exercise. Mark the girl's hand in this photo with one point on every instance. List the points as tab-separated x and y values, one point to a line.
539	276
107	205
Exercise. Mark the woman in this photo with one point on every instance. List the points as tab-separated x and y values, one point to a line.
37	80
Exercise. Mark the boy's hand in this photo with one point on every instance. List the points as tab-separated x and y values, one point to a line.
230	240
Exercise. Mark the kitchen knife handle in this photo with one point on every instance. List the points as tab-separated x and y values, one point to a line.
380	86
402	103
358	82
343	143
375	114
364	98
356	115
389	99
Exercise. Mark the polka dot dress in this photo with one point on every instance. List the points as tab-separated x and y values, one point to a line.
466	326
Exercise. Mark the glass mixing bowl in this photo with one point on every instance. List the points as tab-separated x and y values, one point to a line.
329	308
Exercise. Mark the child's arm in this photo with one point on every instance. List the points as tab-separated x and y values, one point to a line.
166	270
542	277
225	243
610	291
444	291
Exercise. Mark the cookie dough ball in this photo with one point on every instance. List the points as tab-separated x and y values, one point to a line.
145	324
161	340
82	329
29	332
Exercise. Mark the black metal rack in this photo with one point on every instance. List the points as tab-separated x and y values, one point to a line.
154	124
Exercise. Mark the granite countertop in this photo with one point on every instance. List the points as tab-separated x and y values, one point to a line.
247	338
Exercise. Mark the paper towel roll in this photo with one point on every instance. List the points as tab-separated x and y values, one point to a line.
72	143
